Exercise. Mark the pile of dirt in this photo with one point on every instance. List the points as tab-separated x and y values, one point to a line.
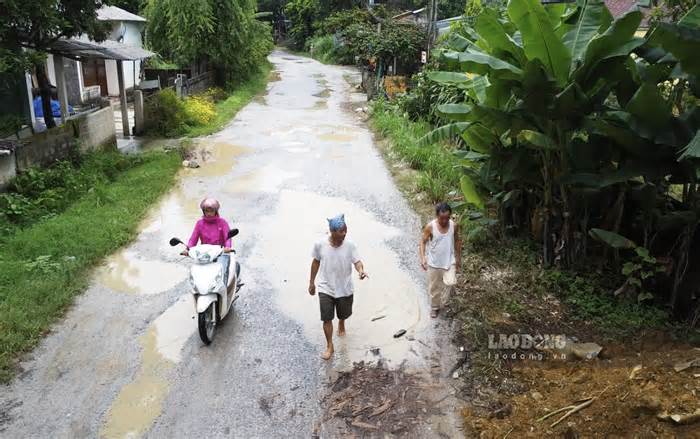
644	385
631	394
374	401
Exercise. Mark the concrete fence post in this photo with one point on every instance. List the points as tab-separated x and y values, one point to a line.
178	85
61	86
139	117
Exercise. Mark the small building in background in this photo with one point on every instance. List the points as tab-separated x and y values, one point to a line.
91	78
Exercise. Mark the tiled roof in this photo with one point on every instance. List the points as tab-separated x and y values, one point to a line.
619	7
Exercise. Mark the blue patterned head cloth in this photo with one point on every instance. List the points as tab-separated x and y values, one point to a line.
337	223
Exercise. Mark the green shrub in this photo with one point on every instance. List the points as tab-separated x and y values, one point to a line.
215	94
169	116
40	193
321	48
165	114
328	50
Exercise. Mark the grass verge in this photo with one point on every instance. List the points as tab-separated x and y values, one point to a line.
229	107
438	175
45	265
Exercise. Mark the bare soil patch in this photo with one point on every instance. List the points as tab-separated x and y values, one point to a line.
633	382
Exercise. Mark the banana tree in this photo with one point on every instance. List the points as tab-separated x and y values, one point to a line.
570	124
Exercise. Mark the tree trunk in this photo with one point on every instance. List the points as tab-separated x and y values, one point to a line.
45	93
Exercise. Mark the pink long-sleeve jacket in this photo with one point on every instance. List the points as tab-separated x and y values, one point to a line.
210	230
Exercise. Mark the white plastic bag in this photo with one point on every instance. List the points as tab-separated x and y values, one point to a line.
449	278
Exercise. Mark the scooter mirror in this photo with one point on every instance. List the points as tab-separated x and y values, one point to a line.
174	242
232	233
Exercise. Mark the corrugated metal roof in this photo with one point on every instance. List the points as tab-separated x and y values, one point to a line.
107	49
113	13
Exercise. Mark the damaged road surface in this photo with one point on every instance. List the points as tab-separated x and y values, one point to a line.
127	362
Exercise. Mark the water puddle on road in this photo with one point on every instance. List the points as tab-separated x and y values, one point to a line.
336	137
125	272
176	214
324	94
389	293
174	327
266	179
216	159
139	403
320	105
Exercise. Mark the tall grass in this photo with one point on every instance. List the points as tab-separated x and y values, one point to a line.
45	265
439	174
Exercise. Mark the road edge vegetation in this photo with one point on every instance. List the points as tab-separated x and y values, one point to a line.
45	265
227	108
425	172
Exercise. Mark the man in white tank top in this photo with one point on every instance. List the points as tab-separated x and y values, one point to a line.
440	255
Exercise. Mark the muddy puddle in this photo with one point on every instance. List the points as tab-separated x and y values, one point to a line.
139	403
265	179
336	137
385	303
337	133
175	215
126	272
216	159
320	105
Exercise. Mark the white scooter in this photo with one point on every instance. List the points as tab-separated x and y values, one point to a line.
212	299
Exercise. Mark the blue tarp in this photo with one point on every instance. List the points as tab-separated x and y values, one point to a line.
55	108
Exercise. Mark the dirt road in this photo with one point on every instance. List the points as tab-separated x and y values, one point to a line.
127	362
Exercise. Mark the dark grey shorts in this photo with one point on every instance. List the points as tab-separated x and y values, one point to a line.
341	306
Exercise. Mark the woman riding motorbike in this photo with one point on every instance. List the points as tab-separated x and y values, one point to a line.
212	229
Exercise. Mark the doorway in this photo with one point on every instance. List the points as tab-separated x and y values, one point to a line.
95	73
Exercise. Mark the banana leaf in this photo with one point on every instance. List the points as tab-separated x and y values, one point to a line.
482	64
448	77
617	40
470	193
649	106
536	139
682	40
444	133
612	239
479	138
594	18
494	34
539	39
692	150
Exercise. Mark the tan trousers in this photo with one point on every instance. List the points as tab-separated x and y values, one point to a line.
436	287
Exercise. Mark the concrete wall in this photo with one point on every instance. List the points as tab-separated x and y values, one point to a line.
96	130
44	148
8	169
93	131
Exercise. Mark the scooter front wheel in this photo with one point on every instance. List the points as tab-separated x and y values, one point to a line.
207	324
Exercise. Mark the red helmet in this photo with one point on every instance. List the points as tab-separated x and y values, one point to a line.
211	203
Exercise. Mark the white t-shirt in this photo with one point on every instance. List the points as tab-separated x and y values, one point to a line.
335	274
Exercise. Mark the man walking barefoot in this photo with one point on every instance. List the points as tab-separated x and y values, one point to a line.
444	255
333	259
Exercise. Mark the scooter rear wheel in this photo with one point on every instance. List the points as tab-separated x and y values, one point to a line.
207	324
